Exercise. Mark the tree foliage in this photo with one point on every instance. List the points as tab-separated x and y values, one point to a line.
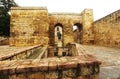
5	6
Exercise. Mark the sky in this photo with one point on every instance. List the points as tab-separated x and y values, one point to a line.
100	8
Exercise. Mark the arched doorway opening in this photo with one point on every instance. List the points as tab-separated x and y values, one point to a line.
58	35
78	32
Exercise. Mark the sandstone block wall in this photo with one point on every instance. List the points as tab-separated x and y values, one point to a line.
107	30
29	26
51	68
23	53
87	21
32	26
67	21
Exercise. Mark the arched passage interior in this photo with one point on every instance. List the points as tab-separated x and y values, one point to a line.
58	34
78	32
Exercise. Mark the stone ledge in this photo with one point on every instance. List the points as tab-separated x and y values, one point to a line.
10	55
26	66
64	13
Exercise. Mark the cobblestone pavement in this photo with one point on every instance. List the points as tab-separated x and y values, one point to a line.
110	57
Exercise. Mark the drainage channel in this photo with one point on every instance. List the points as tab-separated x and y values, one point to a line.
39	53
36	53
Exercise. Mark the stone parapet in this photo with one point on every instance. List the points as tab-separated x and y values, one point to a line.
28	8
64	13
21	54
51	68
107	30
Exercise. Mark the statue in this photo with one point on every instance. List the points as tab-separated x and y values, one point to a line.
58	33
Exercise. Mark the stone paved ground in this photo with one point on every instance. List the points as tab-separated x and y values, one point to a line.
110	57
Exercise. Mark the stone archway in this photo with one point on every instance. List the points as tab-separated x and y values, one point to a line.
78	32
58	35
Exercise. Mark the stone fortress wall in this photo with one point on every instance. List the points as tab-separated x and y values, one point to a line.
35	25
68	20
29	26
107	30
32	26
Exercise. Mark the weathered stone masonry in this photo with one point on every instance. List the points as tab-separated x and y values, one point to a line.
31	26
107	30
51	68
78	66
